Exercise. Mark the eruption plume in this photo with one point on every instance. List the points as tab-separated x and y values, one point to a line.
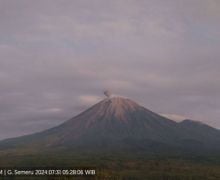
107	93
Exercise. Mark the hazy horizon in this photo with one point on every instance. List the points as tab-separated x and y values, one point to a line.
57	57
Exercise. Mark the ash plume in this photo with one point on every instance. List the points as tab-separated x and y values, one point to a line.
107	93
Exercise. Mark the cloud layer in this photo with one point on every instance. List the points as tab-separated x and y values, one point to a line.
56	58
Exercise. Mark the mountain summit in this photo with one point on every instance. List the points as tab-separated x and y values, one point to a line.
120	123
116	118
118	107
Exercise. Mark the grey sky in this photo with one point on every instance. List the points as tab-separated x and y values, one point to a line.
57	56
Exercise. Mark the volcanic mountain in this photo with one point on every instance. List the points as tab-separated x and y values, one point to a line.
119	123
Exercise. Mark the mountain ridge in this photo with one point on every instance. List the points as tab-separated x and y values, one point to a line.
120	122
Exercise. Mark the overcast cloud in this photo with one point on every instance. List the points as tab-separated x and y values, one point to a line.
57	56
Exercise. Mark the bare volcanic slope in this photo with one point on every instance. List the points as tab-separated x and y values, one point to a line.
119	122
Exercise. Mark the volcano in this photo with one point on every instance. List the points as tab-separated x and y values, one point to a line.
118	123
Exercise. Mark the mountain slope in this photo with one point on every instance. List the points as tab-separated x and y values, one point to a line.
119	123
200	132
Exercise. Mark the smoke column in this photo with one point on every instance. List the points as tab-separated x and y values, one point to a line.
107	93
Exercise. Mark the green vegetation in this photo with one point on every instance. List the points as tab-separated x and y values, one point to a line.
119	166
